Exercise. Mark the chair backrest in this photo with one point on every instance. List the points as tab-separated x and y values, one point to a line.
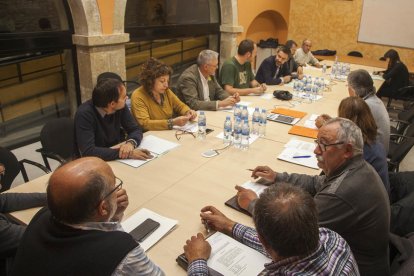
355	54
407	115
400	152
57	136
12	167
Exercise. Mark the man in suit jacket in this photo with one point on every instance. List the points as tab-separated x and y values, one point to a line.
198	87
274	69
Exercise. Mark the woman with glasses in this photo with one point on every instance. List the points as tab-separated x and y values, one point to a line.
357	110
396	76
154	105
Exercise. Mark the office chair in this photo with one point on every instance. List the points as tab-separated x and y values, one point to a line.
355	54
403	120
398	150
57	139
405	93
13	167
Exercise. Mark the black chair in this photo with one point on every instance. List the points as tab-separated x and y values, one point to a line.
399	148
403	120
14	167
405	93
355	54
57	139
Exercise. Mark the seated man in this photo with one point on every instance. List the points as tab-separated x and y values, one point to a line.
80	233
286	230
11	232
236	75
304	56
361	84
99	122
274	69
350	197
294	68
198	87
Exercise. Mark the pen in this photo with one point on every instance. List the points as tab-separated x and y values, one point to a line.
302	156
206	226
250	170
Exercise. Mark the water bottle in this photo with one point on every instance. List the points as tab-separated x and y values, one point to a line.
237	111
348	69
314	94
256	121
324	68
244	113
237	133
245	135
263	122
336	59
227	137
201	126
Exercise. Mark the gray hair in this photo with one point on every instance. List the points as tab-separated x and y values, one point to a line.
361	81
349	133
206	56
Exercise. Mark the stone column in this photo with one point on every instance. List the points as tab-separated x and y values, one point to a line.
100	40
229	29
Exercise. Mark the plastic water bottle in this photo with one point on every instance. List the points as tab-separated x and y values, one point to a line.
245	135
324	68
263	122
256	121
237	111
201	126
227	137
244	113
237	133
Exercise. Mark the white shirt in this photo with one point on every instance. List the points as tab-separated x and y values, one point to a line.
206	90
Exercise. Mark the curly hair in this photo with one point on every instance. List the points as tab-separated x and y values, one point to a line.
150	70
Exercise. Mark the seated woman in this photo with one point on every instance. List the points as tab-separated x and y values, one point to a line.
154	105
396	76
357	110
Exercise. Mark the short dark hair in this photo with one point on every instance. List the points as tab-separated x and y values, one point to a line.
245	46
151	70
106	91
287	220
393	56
361	81
289	44
81	206
284	49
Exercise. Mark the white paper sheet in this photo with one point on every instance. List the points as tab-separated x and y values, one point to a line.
230	257
267	96
137	163
254	186
310	123
166	225
296	148
157	145
189	127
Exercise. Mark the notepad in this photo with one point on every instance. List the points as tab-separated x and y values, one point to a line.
304	131
289	112
296	148
166	226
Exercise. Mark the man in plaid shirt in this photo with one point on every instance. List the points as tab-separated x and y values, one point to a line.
286	231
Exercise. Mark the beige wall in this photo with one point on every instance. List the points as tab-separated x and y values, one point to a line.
334	24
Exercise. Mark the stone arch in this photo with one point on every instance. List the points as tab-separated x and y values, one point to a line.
268	23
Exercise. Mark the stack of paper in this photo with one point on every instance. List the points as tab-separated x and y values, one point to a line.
155	145
189	127
166	225
299	152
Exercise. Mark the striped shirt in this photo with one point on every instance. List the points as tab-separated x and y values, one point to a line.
332	257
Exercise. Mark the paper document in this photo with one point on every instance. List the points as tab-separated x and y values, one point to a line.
230	257
254	186
157	145
310	123
137	163
267	96
304	95
166	225
376	77
252	137
299	152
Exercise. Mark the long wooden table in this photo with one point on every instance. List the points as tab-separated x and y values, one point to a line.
181	182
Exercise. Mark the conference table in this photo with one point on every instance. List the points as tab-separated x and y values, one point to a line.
179	183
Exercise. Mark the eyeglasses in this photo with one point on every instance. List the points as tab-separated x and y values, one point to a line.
179	133
118	186
213	65
323	146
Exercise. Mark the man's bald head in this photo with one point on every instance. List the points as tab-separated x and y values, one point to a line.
76	188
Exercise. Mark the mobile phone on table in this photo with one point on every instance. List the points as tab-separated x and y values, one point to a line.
142	231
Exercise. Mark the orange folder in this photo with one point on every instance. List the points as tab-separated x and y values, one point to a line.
304	131
289	112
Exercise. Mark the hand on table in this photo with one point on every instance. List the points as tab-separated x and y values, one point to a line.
216	220
264	172
141	154
197	248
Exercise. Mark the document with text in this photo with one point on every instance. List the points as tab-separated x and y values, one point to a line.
299	152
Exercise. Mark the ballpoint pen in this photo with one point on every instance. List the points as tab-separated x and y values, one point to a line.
205	222
302	156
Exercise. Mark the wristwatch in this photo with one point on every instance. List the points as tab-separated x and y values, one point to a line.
132	142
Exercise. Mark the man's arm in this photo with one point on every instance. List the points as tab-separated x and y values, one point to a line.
313	60
137	262
244	91
85	138
248	236
10	202
228	75
188	88
131	127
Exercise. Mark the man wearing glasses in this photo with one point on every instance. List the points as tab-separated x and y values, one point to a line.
81	230
198	86
11	232
350	197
